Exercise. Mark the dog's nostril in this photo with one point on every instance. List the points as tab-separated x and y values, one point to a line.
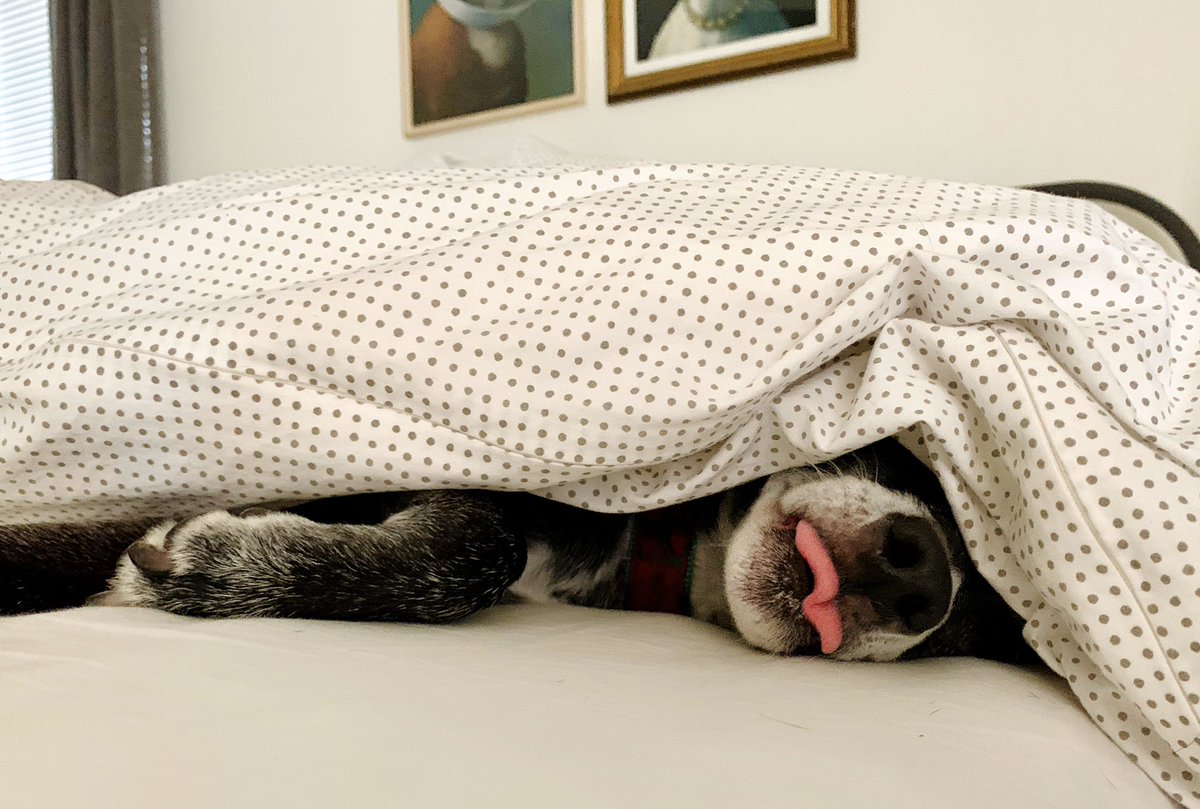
908	577
901	548
914	610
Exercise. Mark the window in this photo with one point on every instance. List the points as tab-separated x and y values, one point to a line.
26	93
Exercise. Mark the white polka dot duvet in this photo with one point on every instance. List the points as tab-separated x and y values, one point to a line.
625	337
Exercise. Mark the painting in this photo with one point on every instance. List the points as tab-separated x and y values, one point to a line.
472	61
657	45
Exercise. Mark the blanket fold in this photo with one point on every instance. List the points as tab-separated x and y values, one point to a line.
632	336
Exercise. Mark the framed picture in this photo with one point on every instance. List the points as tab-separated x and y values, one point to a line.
471	61
656	45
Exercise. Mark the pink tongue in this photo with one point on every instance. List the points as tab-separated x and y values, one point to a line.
819	607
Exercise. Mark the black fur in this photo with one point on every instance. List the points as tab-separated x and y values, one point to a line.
49	566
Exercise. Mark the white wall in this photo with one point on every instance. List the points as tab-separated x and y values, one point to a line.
1014	92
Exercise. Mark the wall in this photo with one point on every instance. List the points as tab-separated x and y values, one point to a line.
1014	92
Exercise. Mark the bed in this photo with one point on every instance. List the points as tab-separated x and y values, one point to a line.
521	705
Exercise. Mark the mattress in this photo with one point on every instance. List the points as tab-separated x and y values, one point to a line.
522	706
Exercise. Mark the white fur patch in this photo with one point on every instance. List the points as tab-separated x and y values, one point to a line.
536	580
127	587
539	585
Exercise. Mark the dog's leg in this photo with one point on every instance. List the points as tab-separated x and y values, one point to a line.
47	566
440	557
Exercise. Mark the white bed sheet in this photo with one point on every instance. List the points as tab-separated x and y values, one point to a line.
521	706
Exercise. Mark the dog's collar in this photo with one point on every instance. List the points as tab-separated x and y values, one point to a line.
474	16
660	557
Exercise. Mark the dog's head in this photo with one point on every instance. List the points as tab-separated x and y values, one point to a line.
906	587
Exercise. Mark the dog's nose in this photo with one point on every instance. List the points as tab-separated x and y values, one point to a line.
909	578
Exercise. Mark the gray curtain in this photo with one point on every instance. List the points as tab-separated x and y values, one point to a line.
106	127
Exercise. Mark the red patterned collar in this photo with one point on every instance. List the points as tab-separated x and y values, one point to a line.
661	554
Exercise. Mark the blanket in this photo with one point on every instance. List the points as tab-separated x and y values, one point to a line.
631	336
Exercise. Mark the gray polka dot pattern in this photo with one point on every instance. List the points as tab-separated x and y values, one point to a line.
627	337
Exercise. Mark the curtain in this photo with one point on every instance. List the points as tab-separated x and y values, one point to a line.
106	123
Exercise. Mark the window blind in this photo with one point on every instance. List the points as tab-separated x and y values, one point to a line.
26	94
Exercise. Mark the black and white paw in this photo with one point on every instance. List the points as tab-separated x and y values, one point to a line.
207	565
130	586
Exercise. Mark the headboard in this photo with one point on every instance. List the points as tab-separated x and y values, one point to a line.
1163	216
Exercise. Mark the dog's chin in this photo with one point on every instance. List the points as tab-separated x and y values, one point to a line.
769	630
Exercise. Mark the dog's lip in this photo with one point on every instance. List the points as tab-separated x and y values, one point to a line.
777	579
784	531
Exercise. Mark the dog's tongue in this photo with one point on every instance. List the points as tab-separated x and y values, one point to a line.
819	607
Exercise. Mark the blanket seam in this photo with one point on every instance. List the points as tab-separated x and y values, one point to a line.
1053	453
302	386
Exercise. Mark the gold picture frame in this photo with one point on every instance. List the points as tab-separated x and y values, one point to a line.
418	118
660	45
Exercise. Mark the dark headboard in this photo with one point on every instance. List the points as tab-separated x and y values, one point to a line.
1147	206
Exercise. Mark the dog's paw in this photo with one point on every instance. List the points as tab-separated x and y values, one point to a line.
198	566
144	562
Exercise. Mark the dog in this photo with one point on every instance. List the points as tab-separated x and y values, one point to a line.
872	530
694	24
468	56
